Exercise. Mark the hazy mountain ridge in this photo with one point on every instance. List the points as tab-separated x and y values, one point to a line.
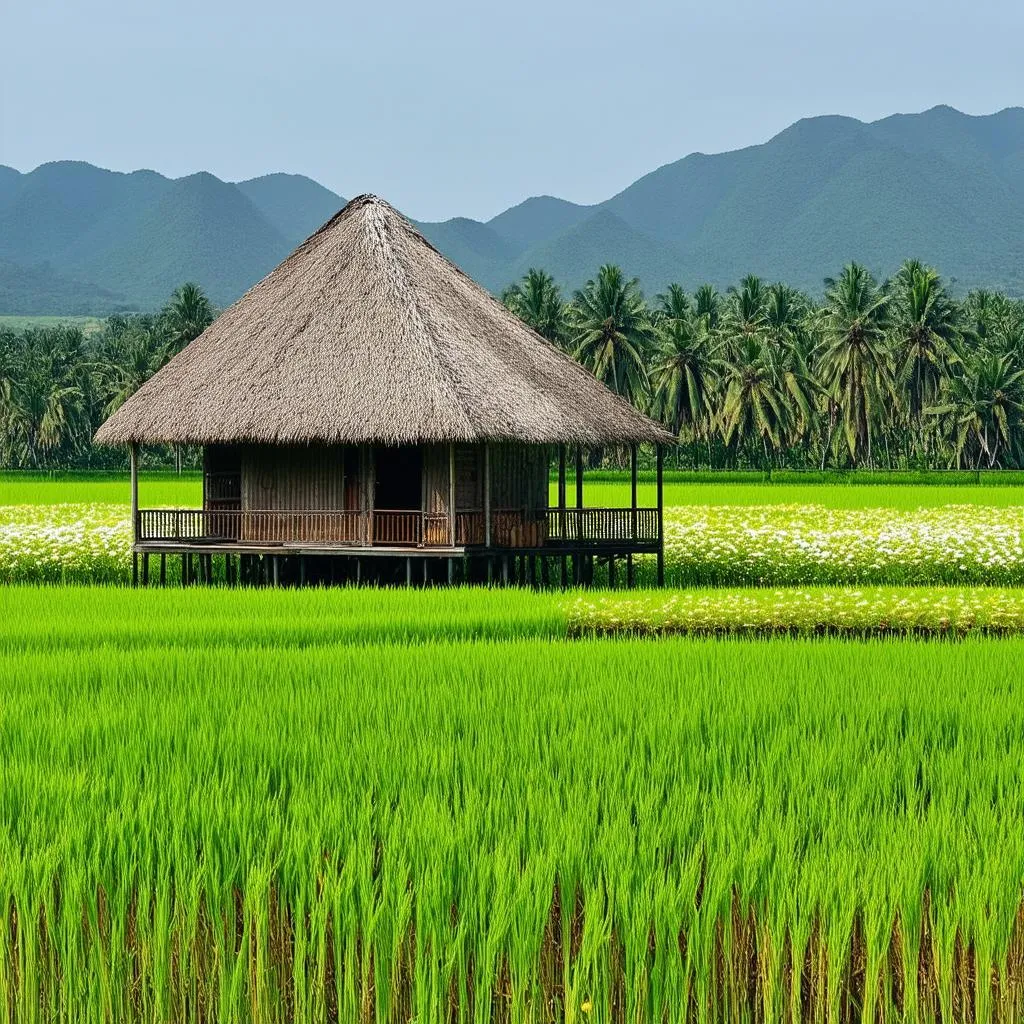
940	186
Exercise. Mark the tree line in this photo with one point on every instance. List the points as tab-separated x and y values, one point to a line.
890	375
57	385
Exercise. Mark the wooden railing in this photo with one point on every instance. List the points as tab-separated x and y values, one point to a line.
603	525
510	528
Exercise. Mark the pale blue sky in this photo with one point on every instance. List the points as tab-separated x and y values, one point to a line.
448	107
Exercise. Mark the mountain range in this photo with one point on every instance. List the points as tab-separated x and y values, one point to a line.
940	186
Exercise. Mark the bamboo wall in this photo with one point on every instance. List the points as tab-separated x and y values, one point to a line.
293	477
322	478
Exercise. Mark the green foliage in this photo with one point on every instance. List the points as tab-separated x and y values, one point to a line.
216	811
57	386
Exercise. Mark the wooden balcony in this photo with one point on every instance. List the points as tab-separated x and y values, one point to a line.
623	529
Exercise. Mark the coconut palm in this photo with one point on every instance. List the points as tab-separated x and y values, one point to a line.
982	407
537	301
685	372
854	361
673	304
745	314
707	304
754	405
611	332
924	330
188	313
42	401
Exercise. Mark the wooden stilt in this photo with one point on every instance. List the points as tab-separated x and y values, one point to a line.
451	571
302	570
629	570
424	561
184	569
408	571
145	569
277	569
135	568
611	571
661	515
163	568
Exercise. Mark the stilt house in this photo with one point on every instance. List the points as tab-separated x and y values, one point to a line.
368	410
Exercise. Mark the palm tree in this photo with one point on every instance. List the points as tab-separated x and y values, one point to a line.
673	304
684	374
42	400
611	332
707	304
125	360
983	407
925	327
854	359
754	404
188	313
537	301
746	312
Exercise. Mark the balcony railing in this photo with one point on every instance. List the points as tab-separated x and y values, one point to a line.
510	528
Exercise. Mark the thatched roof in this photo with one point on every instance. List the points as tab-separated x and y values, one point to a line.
366	333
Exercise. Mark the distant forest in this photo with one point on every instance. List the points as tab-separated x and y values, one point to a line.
891	375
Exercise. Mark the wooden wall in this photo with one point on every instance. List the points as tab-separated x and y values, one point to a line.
298	477
519	477
321	477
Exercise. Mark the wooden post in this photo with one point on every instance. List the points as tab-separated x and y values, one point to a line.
629	570
661	515
277	570
487	495
134	459
611	572
632	470
302	570
561	492
451	502
163	568
579	477
408	571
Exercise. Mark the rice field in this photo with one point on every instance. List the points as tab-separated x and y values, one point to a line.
225	806
601	488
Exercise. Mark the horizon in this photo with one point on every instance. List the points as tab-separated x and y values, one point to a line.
346	197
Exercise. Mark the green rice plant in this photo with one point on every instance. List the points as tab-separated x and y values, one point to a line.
513	830
156	488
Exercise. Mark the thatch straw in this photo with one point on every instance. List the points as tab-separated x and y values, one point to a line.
366	333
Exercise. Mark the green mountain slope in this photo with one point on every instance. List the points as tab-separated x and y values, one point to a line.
293	204
40	291
572	252
536	220
479	250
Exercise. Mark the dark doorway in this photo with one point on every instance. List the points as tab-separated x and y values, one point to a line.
399	477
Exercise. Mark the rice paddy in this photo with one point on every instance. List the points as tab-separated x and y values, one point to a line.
601	488
226	806
788	788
